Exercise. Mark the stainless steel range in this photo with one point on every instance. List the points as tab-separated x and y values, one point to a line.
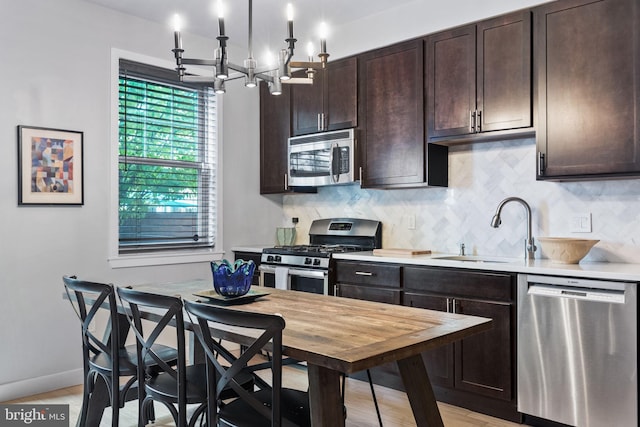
309	268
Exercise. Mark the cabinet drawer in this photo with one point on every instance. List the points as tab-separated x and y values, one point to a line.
371	274
461	283
368	293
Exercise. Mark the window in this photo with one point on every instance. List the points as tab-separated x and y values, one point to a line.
166	161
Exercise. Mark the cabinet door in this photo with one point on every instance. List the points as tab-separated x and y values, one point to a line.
439	361
587	67
275	122
504	73
451	82
306	101
484	363
391	106
341	94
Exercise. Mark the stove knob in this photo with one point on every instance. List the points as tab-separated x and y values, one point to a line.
307	261
278	258
316	261
269	258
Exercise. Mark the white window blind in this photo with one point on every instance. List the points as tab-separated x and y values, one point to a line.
166	162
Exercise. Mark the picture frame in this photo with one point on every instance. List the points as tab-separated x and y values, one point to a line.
50	166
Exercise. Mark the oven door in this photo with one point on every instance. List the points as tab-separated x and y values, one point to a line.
298	279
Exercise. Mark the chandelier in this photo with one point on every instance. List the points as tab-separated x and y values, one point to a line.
275	76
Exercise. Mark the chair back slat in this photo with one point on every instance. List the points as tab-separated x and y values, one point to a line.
168	313
80	292
268	328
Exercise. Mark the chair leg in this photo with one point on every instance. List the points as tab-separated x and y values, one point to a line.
375	400
86	393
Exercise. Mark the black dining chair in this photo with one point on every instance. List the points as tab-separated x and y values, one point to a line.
270	405
174	386
104	355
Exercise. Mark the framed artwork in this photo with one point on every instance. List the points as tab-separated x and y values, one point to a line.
50	167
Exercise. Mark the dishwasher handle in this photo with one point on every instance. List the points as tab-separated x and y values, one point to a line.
582	294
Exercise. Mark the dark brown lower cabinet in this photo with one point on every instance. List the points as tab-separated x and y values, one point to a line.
371	281
478	372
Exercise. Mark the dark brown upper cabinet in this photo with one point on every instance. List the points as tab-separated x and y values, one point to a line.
479	80
392	140
331	103
275	129
587	68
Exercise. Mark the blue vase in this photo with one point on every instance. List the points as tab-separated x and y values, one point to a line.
232	280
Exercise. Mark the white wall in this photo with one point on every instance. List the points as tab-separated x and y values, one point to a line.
57	74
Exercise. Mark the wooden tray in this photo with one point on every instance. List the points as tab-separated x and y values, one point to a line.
400	252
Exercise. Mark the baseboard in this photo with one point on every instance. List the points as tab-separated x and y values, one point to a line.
31	386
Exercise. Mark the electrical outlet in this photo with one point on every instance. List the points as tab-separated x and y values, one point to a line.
411	222
580	223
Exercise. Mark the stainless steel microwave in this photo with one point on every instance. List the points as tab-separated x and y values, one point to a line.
326	158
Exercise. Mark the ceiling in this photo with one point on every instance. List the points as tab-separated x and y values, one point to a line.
269	18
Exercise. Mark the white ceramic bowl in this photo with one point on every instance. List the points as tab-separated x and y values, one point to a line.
565	250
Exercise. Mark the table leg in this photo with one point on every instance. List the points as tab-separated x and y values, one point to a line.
419	391
324	397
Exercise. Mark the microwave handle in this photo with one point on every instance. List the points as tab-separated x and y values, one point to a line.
335	167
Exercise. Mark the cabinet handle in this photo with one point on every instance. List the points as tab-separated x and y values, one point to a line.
541	165
360	173
319	125
472	121
478	121
363	273
448	305
286	182
455	306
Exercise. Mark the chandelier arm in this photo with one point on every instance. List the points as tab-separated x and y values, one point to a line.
198	79
239	68
298	81
194	61
306	64
235	76
265	77
265	69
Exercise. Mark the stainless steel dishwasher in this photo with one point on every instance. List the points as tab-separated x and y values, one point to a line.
577	350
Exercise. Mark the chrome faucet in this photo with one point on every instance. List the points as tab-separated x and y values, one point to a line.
530	247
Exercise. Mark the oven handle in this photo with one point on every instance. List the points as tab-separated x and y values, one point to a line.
312	274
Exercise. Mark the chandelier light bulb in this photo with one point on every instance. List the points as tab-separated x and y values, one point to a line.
220	8
323	30
289	12
310	50
177	23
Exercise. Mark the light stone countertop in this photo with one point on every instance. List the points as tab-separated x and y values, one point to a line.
589	270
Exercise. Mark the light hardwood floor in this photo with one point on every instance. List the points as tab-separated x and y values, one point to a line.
394	405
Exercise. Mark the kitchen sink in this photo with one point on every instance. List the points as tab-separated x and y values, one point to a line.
474	258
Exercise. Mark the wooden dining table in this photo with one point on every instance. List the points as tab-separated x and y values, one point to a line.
336	336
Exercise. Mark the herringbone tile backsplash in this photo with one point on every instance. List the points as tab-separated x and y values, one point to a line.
480	176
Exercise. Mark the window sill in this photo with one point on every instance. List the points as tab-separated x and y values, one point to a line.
126	261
